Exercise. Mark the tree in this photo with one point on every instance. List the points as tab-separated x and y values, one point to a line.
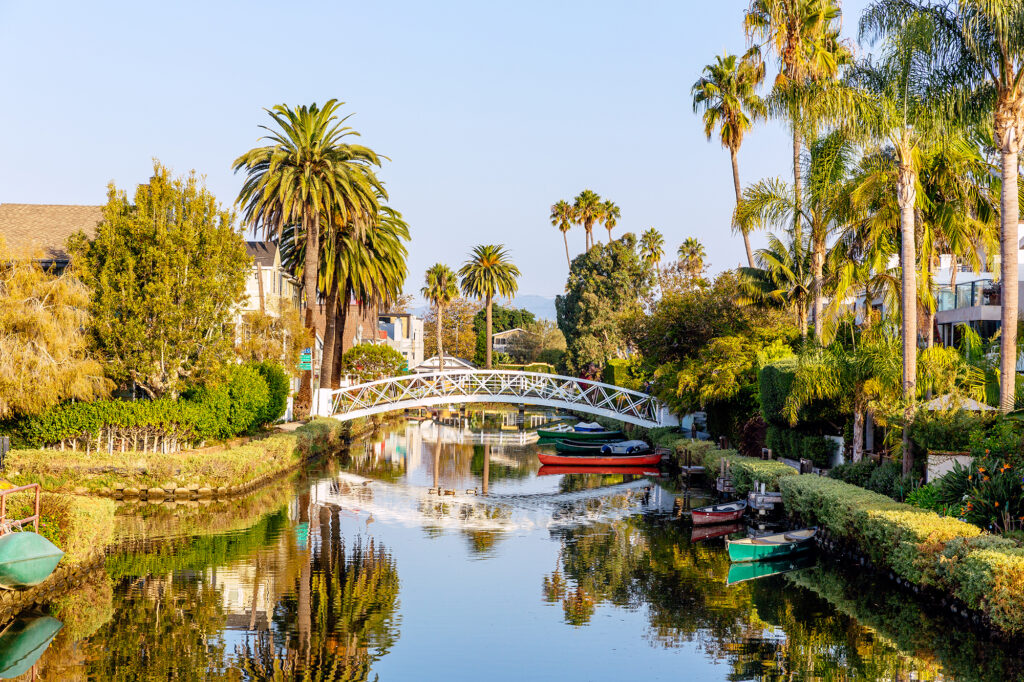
610	215
727	94
487	273
782	279
44	347
979	50
652	246
562	218
306	173
606	284
372	361
280	338
502	319
544	337
463	336
440	289
587	209
691	258
167	273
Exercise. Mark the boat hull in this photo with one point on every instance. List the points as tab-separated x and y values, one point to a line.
600	436
752	570
708	515
570	446
600	460
26	559
708	532
741	551
554	469
23	642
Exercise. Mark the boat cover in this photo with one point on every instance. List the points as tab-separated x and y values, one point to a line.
589	426
626	447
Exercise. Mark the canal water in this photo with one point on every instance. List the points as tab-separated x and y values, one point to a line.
429	553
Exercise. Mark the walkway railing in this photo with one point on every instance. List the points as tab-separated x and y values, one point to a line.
494	386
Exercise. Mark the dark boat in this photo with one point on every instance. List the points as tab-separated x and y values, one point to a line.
719	513
553	469
602	460
708	532
580	447
582	431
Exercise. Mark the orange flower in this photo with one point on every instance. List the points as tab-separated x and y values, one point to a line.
981	470
997	504
985	478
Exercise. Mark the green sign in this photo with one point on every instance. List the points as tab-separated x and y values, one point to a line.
306	360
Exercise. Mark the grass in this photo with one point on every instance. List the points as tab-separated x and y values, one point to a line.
72	471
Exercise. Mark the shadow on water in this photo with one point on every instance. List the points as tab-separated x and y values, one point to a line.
302	582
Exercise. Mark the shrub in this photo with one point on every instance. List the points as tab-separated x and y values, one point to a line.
774	381
278	390
926	497
1003	441
818	449
955	485
616	372
745	470
856	473
885	479
249	397
551	356
944	431
370	362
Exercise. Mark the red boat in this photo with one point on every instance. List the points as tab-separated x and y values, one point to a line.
708	532
719	513
648	459
552	470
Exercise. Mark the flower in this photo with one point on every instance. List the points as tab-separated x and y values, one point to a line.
981	470
997	504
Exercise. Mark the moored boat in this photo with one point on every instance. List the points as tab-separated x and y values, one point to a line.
771	546
719	513
601	460
578	446
582	431
26	559
554	469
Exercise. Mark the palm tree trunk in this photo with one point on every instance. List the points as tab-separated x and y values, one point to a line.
330	337
907	188
801	318
858	433
489	337
440	344
739	197
929	310
565	239
311	228
1008	273
341	317
817	268
797	196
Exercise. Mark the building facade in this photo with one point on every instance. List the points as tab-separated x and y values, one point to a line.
404	333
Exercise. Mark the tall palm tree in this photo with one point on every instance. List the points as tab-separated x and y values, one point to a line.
610	215
487	273
726	92
980	49
691	258
562	218
587	209
804	36
782	278
307	172
439	290
652	246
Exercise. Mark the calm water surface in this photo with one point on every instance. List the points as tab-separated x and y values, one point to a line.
355	570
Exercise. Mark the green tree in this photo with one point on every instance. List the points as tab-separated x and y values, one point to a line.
167	273
587	209
691	259
652	246
562	218
306	173
281	338
372	361
782	279
606	285
502	319
461	328
489	273
440	289
44	349
727	93
610	215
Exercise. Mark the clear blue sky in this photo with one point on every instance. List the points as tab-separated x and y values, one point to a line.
489	111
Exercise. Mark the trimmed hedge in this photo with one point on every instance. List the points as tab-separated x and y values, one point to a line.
745	470
792	444
616	372
774	381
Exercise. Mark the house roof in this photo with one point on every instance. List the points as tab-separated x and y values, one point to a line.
262	253
42	230
510	332
450	363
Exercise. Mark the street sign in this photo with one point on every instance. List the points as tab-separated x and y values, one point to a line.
306	360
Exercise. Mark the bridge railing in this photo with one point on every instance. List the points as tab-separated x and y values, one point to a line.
501	386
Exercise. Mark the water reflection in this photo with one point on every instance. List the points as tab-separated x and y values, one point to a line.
303	583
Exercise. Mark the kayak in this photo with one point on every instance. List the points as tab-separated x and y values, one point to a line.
578	446
648	459
26	559
752	570
23	641
770	546
554	469
719	513
707	532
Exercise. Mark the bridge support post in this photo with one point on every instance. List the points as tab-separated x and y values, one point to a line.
521	417
323	403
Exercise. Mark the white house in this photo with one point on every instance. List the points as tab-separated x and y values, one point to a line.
510	341
404	333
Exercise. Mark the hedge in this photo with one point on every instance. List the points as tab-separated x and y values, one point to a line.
773	382
745	470
616	372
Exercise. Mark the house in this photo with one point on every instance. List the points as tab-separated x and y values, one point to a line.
451	364
404	333
41	231
270	288
511	341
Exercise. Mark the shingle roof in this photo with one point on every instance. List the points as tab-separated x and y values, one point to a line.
41	230
262	253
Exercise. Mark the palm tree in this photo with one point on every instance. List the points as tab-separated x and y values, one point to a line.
306	172
804	36
587	209
727	94
980	49
440	290
782	279
691	258
562	218
652	246
487	273
610	215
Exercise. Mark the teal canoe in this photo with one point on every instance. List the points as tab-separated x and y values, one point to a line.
599	436
579	446
770	546
752	570
26	559
23	641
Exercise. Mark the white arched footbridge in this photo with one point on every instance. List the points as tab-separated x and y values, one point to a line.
493	386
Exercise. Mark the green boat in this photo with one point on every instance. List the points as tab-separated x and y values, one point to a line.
23	641
26	559
752	570
581	447
587	432
770	546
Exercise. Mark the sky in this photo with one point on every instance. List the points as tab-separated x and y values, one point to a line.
488	111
